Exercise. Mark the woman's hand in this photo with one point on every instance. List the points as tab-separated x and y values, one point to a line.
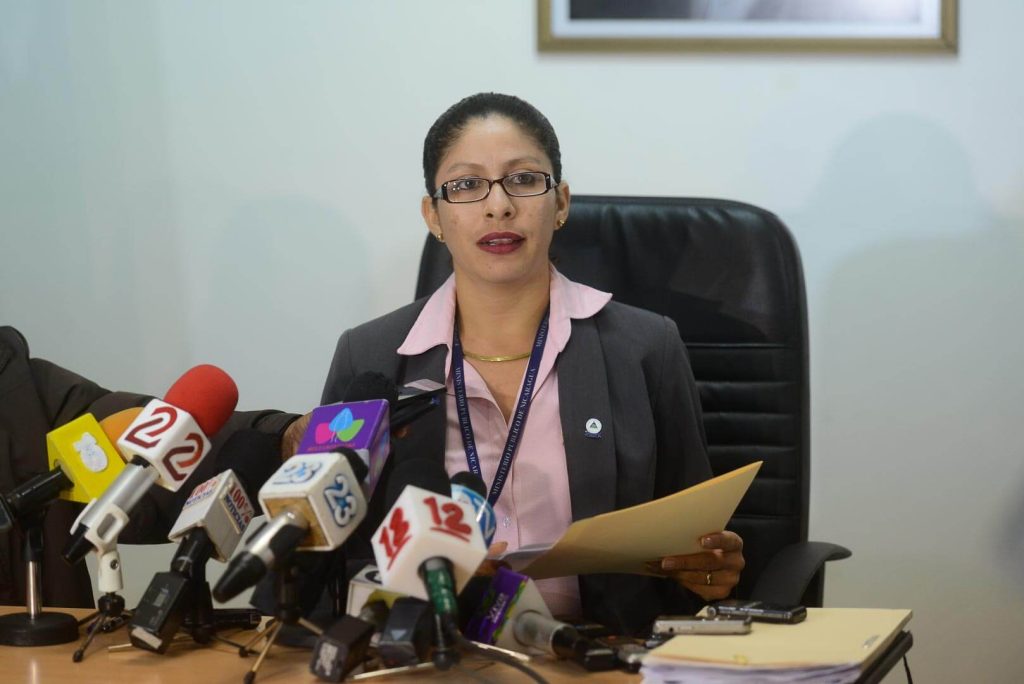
712	573
292	437
491	564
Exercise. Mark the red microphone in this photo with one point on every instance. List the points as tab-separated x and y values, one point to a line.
163	445
172	435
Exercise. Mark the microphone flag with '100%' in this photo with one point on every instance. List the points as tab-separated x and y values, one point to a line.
163	445
83	462
211	524
314	502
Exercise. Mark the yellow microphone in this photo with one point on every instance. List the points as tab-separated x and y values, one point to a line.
87	457
83	463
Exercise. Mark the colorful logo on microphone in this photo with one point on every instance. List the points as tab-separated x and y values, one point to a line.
343	427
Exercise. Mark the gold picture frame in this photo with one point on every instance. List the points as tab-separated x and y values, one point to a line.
936	29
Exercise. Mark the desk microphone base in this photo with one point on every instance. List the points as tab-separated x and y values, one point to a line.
41	629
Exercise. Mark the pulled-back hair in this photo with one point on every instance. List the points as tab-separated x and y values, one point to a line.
449	126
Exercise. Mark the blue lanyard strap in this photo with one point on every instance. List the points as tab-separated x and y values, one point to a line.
515	431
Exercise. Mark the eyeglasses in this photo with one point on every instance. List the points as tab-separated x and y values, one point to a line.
472	189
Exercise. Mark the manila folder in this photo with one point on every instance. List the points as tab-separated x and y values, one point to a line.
624	541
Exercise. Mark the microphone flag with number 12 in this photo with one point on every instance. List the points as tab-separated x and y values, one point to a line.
423	525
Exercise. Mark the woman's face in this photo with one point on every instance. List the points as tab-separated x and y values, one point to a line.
500	239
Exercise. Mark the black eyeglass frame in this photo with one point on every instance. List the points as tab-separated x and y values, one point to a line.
442	192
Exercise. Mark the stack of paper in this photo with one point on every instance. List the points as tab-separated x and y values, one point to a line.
832	645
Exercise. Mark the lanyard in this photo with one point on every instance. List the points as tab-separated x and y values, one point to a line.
515	431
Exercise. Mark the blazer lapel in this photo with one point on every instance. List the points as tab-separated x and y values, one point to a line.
583	397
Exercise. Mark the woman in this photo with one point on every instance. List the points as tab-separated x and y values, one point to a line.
569	404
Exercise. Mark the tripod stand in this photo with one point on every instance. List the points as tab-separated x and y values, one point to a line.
203	621
286	612
111	614
34	627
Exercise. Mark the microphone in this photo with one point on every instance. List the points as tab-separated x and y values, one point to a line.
428	547
313	502
164	445
343	645
415	400
470	488
407	634
83	462
116	424
513	616
360	423
211	523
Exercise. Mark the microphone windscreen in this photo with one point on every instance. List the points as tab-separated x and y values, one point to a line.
471	482
359	469
419	472
208	394
115	424
372	385
253	456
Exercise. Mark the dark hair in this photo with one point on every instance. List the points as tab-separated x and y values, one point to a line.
449	126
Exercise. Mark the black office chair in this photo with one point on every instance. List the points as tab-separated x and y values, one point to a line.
729	275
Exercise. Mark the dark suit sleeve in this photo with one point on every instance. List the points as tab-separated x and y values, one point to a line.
340	374
682	444
153	517
66	396
682	447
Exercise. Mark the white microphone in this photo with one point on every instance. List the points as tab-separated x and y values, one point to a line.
211	524
513	616
163	445
509	596
428	547
314	502
423	525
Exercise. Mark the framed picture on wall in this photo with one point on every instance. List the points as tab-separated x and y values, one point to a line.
747	25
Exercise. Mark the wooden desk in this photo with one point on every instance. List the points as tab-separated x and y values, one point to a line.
220	664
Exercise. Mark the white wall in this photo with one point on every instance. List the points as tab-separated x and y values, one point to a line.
237	182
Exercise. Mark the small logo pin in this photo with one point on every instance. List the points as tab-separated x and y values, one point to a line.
593	428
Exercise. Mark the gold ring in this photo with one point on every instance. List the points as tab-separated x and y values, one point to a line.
707	578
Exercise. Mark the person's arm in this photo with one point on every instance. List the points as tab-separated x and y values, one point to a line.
154	515
66	395
683	462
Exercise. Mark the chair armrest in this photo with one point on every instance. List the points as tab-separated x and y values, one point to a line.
791	571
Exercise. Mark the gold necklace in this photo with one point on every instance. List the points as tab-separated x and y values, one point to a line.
495	359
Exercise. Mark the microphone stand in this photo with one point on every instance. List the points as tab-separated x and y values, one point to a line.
203	621
286	612
35	627
111	613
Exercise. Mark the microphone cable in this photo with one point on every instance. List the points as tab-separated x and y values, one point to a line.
497	656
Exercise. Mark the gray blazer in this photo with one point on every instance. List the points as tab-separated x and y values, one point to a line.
624	366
